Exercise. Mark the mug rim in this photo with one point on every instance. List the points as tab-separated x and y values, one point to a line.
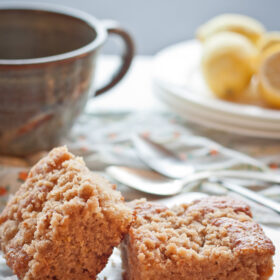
93	23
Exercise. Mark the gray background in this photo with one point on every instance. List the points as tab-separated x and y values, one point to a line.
158	23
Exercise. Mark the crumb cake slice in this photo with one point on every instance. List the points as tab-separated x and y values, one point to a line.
213	238
63	222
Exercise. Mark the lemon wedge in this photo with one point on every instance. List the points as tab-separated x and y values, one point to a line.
227	64
269	40
269	81
267	52
244	25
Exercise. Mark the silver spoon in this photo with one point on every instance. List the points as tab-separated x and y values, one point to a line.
153	183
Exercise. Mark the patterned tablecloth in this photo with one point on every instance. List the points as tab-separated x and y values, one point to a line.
104	138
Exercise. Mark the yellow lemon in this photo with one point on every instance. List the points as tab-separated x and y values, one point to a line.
268	44
269	80
227	64
265	53
269	40
244	25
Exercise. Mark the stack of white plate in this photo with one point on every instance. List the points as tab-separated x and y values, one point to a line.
180	85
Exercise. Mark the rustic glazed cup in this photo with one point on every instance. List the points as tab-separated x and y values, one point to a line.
47	65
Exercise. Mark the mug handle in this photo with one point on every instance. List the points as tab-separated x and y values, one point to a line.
113	27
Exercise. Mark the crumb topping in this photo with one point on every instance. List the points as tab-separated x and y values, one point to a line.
210	228
63	222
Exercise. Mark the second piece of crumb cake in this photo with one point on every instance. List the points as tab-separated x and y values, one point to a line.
211	239
63	222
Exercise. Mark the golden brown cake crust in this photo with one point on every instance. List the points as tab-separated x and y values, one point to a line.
210	239
63	222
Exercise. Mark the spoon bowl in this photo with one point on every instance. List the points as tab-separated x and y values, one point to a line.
144	180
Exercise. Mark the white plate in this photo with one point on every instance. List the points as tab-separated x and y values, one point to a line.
216	115
177	71
275	238
201	117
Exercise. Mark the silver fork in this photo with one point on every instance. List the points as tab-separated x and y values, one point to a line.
164	161
167	163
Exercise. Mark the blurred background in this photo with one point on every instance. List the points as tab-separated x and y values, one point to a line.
158	23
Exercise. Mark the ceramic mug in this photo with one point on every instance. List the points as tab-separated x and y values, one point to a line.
47	68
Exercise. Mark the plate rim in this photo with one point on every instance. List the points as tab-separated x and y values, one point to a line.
244	131
249	123
233	109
